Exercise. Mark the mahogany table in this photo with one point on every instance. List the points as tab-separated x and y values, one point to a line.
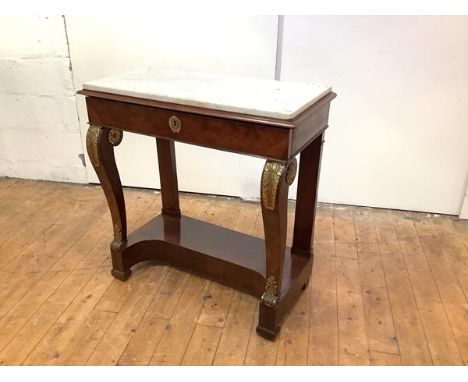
265	118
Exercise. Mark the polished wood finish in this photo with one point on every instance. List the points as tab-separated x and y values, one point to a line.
282	140
101	151
310	126
230	135
400	276
275	226
278	141
298	121
168	176
234	259
307	187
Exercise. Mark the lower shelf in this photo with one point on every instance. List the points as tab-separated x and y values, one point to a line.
230	257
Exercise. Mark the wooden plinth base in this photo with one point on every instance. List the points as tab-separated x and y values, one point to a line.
230	257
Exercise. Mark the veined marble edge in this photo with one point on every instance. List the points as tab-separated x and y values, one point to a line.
230	108
96	86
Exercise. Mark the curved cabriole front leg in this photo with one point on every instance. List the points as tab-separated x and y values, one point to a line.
276	178
100	144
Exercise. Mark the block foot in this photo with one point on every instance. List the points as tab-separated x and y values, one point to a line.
267	333
123	276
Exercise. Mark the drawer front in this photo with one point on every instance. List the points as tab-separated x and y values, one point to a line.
218	133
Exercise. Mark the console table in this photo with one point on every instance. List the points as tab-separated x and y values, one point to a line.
275	120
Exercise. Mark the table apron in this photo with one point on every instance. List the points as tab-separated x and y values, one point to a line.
218	133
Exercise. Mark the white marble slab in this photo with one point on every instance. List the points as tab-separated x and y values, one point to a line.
253	96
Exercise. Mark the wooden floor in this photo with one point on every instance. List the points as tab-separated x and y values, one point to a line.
388	288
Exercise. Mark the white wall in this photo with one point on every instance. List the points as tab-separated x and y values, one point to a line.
226	45
39	130
398	134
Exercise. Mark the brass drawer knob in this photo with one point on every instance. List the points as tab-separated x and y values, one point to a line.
175	124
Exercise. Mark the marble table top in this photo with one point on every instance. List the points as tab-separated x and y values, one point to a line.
253	96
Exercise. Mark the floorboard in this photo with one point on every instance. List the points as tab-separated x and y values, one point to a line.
387	288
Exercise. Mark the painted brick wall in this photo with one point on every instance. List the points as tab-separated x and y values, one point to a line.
39	129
